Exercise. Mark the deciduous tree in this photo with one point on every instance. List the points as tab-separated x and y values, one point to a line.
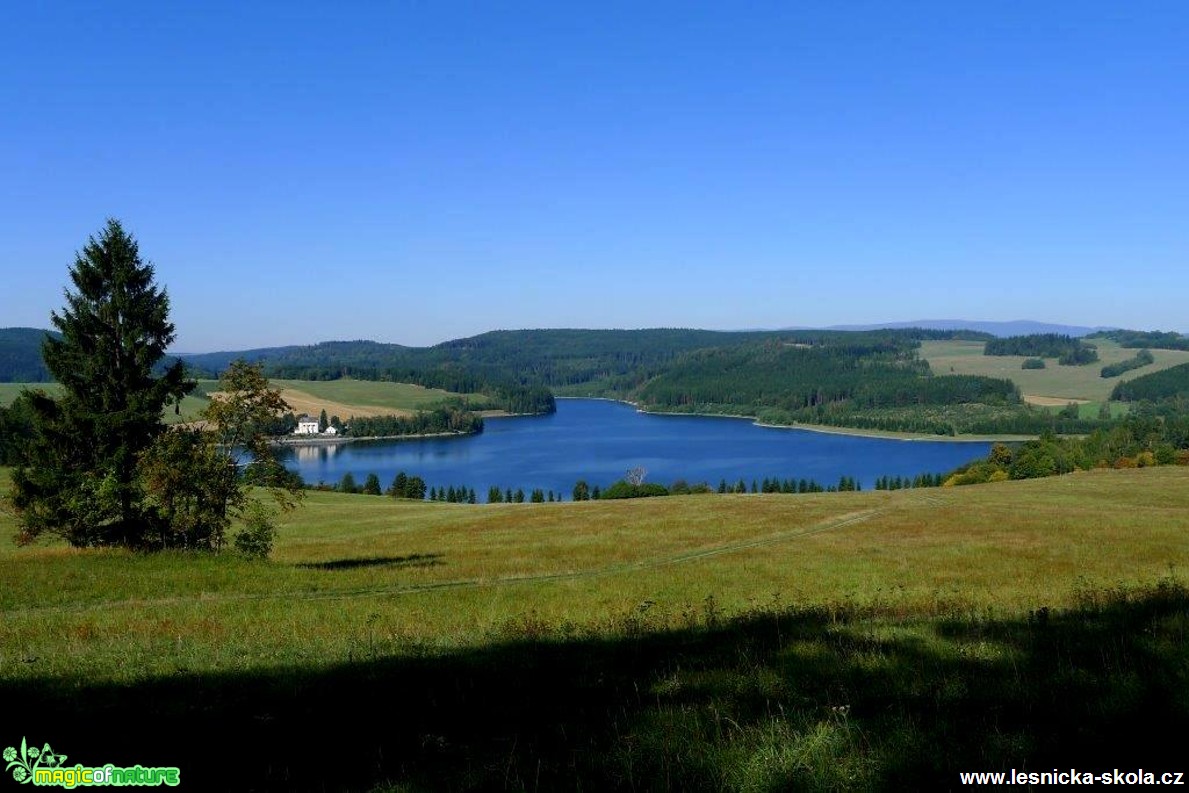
198	480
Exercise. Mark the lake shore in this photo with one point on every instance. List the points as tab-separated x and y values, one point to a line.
827	429
331	441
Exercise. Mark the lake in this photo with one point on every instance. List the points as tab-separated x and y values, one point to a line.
599	441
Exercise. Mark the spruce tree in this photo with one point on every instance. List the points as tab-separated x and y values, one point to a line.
79	477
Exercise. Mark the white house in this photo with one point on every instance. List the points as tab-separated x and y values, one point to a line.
306	426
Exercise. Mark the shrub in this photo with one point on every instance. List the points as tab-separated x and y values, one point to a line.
256	538
623	489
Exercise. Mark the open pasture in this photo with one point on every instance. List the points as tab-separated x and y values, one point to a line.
736	642
345	398
1052	385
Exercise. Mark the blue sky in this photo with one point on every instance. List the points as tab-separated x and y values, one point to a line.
414	172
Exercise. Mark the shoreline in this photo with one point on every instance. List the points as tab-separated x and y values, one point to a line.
828	429
319	441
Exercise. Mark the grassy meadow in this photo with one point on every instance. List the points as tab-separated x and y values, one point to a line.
342	398
345	398
1059	384
740	642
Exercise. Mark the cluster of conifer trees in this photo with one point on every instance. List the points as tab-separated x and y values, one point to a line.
906	482
1066	349
425	422
1137	361
414	487
1168	385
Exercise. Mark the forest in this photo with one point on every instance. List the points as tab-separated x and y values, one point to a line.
1151	339
425	422
1165	385
20	355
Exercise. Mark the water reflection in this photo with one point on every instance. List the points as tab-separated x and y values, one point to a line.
314	453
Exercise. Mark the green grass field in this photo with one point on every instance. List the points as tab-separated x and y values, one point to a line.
358	397
338	397
743	642
1058	382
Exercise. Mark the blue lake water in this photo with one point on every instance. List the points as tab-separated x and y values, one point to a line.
599	441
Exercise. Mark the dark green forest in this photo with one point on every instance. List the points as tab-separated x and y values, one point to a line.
871	380
1167	384
439	420
20	355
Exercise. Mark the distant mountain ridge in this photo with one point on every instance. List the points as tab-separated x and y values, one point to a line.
1017	327
20	348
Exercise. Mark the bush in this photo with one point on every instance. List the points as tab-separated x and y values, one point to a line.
622	489
256	538
1033	363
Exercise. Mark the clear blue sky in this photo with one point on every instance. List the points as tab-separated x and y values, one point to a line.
418	171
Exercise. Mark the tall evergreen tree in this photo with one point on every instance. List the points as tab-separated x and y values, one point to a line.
79	477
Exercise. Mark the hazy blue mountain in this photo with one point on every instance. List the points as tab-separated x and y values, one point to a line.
1018	327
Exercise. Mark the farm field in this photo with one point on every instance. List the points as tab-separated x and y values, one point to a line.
701	642
346	398
1053	386
343	398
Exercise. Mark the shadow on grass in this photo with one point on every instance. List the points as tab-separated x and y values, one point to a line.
412	560
774	700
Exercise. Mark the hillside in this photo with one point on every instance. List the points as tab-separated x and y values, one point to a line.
701	642
914	380
1055	385
20	355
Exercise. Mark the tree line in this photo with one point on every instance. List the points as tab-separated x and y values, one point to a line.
1166	385
414	487
425	422
1140	359
1153	339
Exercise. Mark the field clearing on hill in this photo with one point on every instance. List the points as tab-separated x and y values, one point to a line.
342	398
345	398
1058	384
